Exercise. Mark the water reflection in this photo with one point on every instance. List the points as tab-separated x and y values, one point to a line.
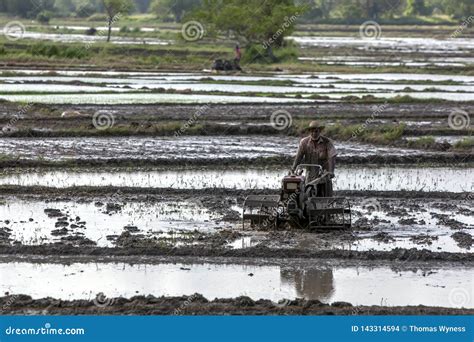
311	283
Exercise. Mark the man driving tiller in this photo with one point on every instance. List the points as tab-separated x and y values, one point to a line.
305	201
317	149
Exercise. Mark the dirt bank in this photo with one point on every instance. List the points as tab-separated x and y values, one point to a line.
93	193
198	305
454	158
141	248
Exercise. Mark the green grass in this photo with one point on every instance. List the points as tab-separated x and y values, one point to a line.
464	144
384	135
423	142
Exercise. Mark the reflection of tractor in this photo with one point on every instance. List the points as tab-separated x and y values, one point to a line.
301	204
226	65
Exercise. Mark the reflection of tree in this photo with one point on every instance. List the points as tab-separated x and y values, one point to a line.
310	283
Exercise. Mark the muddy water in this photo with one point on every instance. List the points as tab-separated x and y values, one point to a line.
398	45
56	88
450	179
143	98
419	95
30	224
126	97
133	77
425	231
390	61
452	139
36	84
88	39
432	235
188	147
376	286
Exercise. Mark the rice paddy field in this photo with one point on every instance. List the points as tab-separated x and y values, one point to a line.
123	173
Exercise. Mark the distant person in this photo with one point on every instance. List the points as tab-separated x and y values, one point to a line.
238	53
238	56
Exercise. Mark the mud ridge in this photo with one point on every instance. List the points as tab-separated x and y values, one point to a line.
397	254
455	158
43	192
197	304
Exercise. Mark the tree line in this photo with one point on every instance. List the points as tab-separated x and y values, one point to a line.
316	10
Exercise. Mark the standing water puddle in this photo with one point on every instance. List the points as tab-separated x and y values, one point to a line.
375	285
450	179
30	223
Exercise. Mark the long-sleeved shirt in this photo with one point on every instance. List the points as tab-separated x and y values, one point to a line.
320	151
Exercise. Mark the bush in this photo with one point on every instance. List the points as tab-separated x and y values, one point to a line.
43	17
52	50
124	29
256	53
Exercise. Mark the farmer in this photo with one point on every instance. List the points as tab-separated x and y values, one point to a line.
238	56
317	149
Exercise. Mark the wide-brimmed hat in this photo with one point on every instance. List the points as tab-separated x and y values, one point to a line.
315	124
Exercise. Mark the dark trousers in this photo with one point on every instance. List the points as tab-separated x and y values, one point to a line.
325	189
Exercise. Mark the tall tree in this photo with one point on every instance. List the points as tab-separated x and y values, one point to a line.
414	7
178	8
114	9
265	23
461	9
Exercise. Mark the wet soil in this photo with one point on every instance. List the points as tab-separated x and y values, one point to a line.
463	239
398	216
451	158
139	118
196	304
133	244
151	248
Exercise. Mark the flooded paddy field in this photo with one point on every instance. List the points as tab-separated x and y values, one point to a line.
271	287
326	283
203	149
402	178
146	214
123	88
79	217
